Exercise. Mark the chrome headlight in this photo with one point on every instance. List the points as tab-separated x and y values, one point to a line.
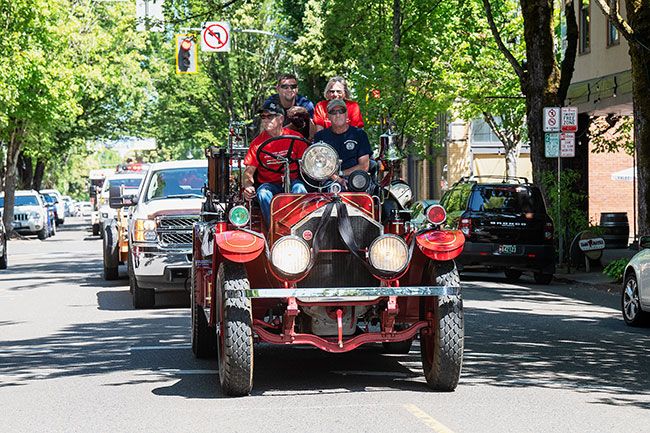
145	231
291	255
320	161
389	253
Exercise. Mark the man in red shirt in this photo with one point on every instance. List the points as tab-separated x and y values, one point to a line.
272	117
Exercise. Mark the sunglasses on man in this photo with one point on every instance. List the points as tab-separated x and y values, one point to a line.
289	86
335	112
267	116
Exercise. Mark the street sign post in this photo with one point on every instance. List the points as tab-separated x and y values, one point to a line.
551	119
569	119
215	37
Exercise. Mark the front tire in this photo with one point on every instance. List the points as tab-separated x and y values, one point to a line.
142	298
111	259
43	233
234	319
95	229
630	302
442	344
3	259
512	275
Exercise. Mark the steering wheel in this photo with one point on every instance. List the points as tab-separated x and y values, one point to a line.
261	150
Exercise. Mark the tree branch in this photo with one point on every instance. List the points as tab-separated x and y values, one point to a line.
497	37
568	63
489	119
618	21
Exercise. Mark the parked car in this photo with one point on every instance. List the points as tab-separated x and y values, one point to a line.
30	213
635	297
160	229
58	202
69	206
505	224
3	246
129	179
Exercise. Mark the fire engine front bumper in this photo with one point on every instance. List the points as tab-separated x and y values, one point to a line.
343	294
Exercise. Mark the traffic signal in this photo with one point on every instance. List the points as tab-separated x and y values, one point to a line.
186	55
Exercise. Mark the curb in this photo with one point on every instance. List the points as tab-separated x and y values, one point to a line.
602	286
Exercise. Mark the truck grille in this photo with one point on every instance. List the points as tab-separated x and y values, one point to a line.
176	231
21	217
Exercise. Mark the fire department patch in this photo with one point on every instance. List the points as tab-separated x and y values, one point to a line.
349	145
307	235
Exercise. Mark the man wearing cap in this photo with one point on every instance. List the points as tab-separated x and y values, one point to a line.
350	142
272	117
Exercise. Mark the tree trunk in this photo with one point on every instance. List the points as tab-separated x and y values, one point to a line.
512	153
13	149
638	16
39	172
25	172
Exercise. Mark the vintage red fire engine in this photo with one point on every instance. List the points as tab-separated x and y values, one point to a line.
335	270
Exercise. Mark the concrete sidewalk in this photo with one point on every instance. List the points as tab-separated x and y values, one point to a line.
596	277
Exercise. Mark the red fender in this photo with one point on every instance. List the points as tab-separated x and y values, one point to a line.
239	246
441	245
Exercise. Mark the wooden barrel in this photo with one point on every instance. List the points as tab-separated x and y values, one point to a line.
616	229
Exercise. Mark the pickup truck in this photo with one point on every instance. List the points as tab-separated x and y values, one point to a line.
160	228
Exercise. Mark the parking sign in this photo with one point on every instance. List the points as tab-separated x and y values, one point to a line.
569	119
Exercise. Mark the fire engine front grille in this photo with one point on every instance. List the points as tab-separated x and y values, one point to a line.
338	270
365	231
176	231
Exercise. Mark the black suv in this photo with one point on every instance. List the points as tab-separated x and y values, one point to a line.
505	224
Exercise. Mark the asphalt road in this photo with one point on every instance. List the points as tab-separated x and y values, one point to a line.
76	357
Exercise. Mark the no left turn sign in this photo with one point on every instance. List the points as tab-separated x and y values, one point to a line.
215	36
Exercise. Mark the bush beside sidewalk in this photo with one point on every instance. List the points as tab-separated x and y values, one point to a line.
596	277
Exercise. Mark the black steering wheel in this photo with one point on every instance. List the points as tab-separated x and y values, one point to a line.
261	150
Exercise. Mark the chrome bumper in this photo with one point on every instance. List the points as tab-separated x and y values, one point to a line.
162	269
333	294
29	226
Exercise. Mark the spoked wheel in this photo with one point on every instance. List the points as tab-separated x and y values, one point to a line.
235	331
442	344
204	343
630	303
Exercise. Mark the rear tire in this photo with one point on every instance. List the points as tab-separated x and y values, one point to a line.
442	346
111	259
541	278
512	275
204	340
235	344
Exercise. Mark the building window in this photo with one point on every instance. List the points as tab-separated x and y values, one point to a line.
613	38
584	27
482	134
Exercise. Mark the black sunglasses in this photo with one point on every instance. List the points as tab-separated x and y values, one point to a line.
341	111
289	86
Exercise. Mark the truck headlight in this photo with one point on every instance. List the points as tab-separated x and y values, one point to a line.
291	255
388	253
320	161
145	231
35	215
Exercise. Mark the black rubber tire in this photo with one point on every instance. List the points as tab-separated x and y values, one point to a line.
142	298
111	253
3	260
43	233
129	271
53	231
235	343
512	275
442	347
204	337
630	302
541	278
95	229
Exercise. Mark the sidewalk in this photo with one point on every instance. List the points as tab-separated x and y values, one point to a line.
596	277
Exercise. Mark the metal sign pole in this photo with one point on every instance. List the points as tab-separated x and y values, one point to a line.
559	209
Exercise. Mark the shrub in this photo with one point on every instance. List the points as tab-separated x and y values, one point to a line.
615	269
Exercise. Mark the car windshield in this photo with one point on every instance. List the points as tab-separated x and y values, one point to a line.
49	198
22	200
177	182
129	182
507	199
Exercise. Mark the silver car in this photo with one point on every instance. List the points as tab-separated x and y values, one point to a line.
635	298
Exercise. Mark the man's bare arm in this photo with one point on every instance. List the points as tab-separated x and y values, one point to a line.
363	164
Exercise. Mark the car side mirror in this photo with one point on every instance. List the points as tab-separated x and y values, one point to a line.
644	242
116	200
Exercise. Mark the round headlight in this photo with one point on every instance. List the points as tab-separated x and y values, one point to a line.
436	214
359	180
291	255
239	216
320	161
388	253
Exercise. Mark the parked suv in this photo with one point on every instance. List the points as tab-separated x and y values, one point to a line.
30	213
160	228
505	224
58	203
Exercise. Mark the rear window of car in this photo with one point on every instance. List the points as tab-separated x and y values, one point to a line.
507	199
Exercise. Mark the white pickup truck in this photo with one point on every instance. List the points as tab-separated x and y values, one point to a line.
160	229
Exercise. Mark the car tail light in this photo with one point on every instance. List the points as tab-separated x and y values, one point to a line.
465	226
548	231
436	214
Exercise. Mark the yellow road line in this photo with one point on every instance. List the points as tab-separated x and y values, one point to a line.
427	419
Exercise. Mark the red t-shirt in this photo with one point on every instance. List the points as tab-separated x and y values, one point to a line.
354	114
280	148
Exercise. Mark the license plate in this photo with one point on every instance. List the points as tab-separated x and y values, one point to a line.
507	249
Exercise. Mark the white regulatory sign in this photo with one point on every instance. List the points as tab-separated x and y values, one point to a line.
569	119
567	145
551	119
215	36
